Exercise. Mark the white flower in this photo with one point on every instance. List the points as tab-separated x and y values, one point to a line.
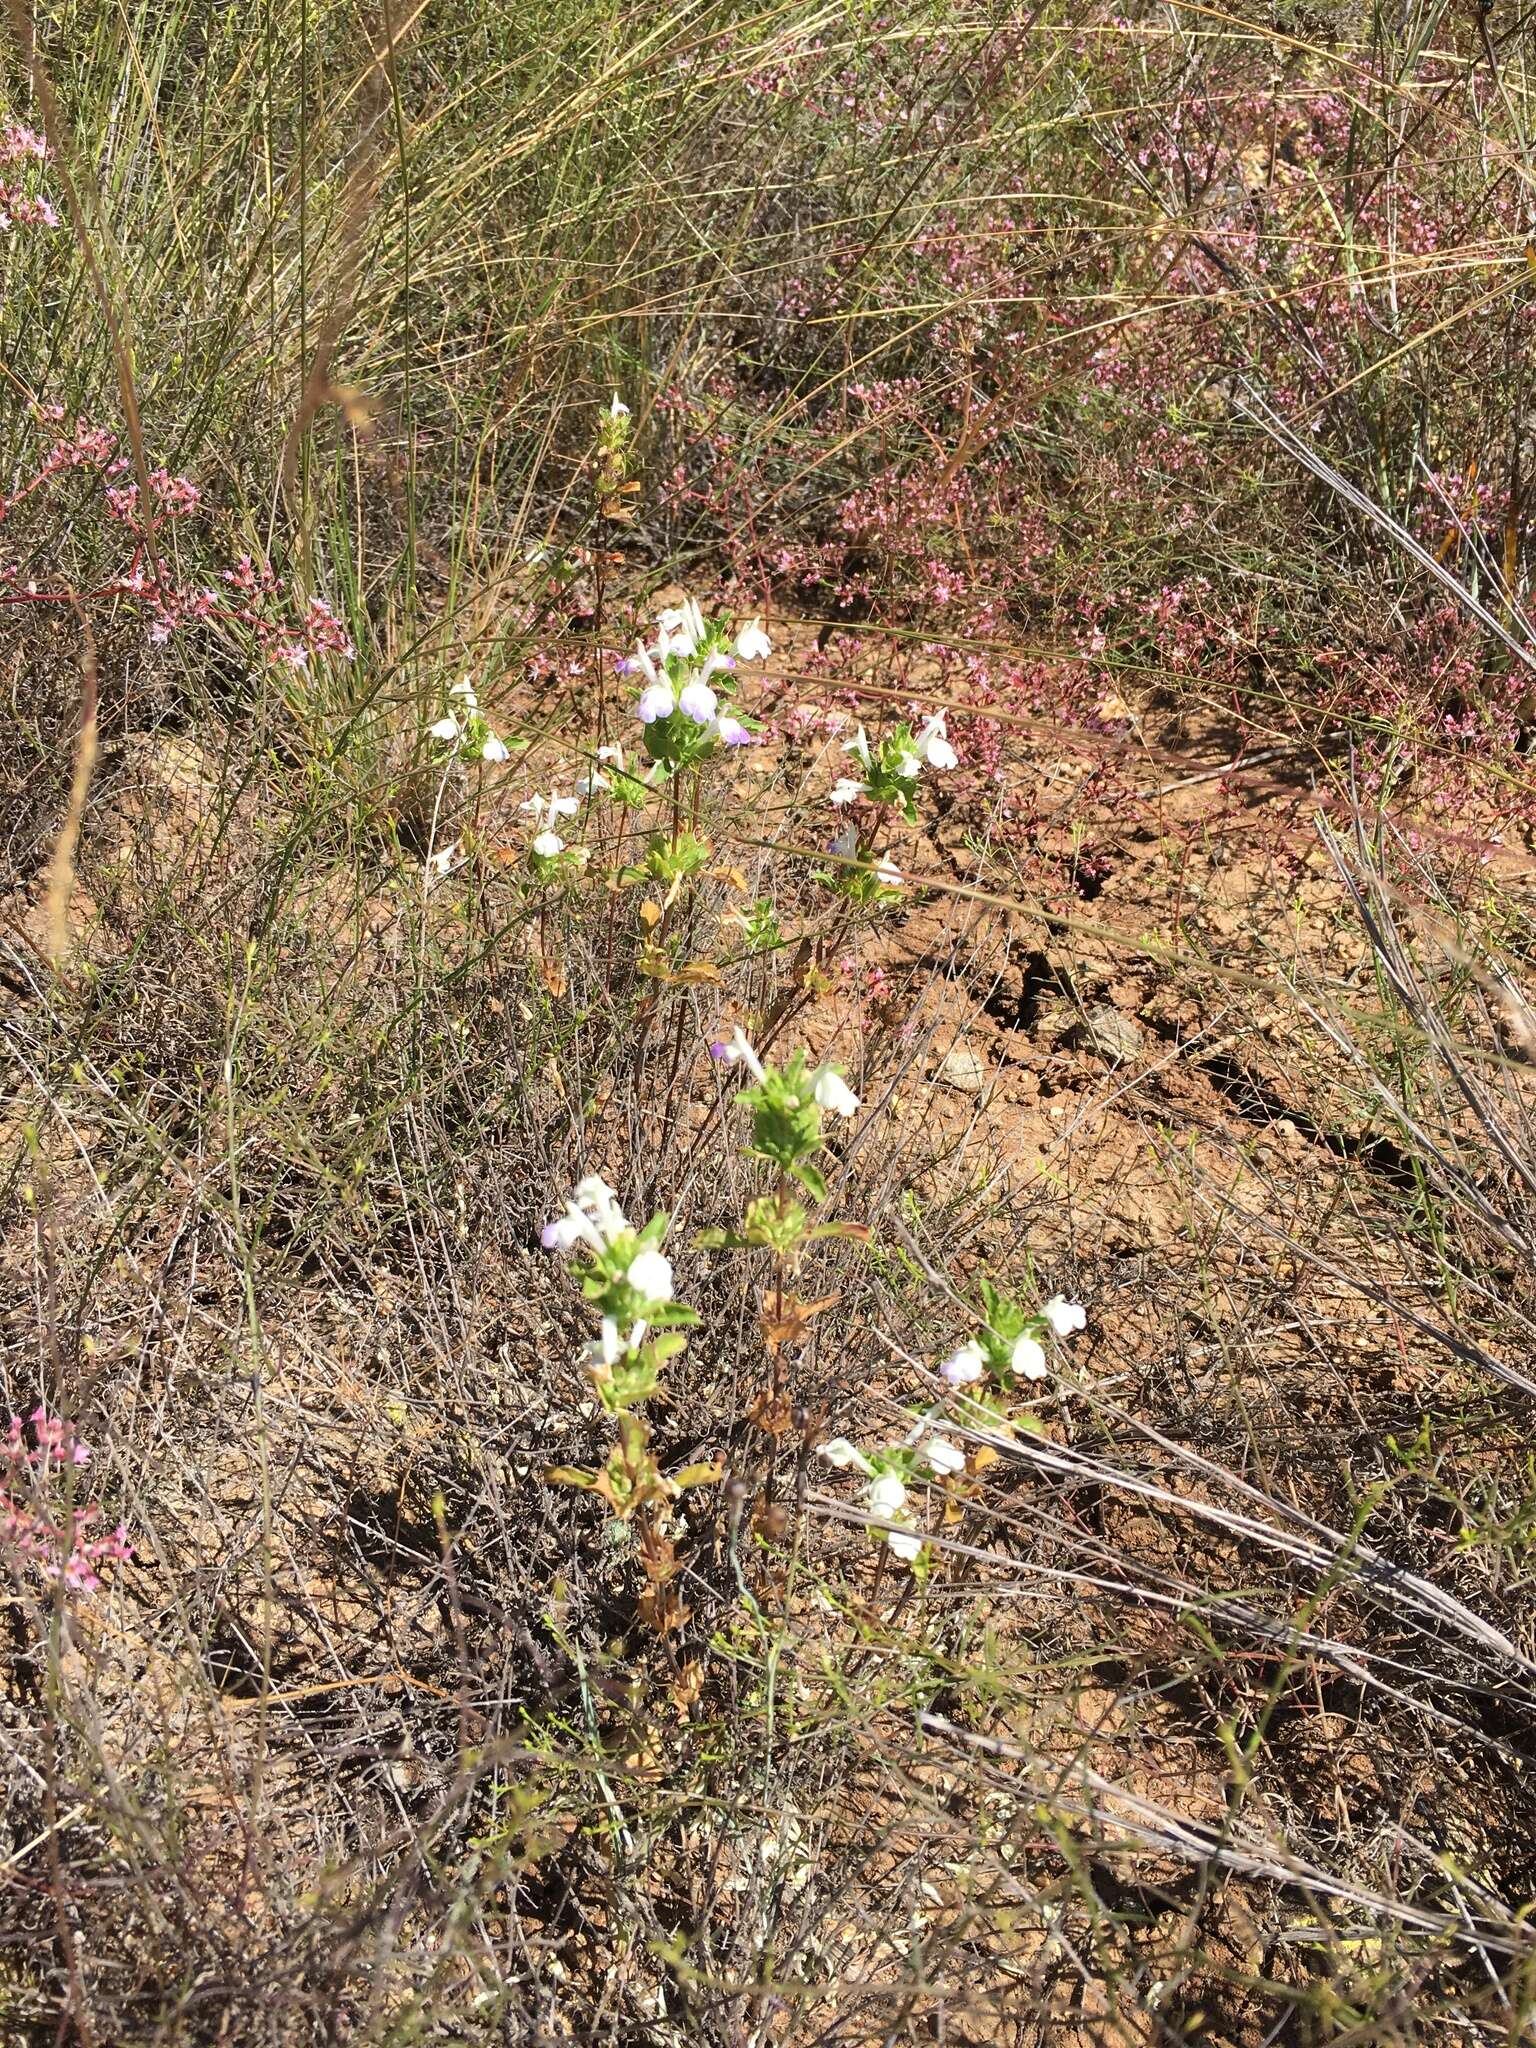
943	1457
887	873
698	702
651	1276
551	809
933	744
592	1216
964	1365
613	755
594	1196
752	643
858	746
657	701
640	662
548	845
569	1230
618	410
1027	1359
839	1452
445	729
438	864
606	1350
846	791
909	766
682	629
683	618
885	1496
590	783
832	1092
731	732
494	749
737	1049
464	690
904	1545
1064	1316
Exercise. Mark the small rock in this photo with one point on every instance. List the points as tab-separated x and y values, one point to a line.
963	1069
1111	1035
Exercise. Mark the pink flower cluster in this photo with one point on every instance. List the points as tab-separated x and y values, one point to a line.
19	209
34	1455
175	497
258	605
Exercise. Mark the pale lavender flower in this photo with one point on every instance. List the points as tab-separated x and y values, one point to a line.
698	702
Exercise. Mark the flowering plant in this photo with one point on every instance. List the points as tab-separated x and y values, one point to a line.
787	1106
628	1279
890	1473
1008	1347
684	707
57	1547
465	728
891	769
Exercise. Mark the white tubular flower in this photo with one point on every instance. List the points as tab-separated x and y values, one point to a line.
737	1050
657	701
494	749
933	744
845	1456
832	1092
885	1496
569	1230
445	729
887	873
846	791
614	756
752	643
943	1457
909	767
550	808
640	663
730	732
1064	1316
464	690
593	1195
590	783
650	1274
548	844
698	702
858	746
905	1545
681	629
618	410
1028	1359
964	1365
606	1350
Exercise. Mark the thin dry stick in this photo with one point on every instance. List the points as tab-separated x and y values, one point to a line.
61	868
